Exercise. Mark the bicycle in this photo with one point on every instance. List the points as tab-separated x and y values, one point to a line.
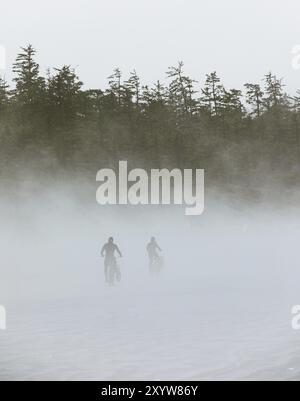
113	273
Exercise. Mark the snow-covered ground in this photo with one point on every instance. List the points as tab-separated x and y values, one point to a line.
221	308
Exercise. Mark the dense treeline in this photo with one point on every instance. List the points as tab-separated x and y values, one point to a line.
52	123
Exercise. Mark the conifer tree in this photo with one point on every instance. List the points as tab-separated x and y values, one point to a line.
3	95
212	94
274	91
63	94
115	85
255	98
133	86
181	90
30	86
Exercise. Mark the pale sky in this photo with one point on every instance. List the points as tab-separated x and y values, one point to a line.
240	39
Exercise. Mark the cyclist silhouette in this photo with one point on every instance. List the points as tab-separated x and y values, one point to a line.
108	252
152	248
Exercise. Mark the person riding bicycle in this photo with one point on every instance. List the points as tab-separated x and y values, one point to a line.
108	251
152	248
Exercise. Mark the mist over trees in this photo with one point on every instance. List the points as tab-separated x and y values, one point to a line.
51	123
